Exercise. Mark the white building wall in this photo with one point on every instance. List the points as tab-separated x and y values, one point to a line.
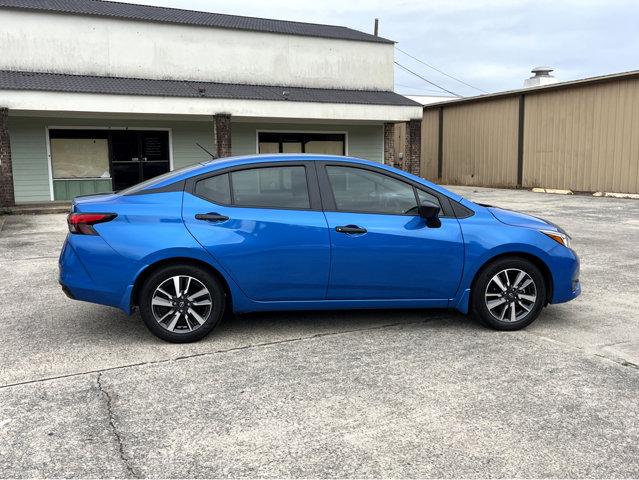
61	43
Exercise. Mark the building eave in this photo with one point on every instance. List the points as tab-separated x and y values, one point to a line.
54	82
634	74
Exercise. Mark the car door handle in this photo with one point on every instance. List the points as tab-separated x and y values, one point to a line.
350	229
211	217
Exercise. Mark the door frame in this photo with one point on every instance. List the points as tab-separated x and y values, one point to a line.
107	128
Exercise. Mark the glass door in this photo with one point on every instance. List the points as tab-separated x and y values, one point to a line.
154	153
137	156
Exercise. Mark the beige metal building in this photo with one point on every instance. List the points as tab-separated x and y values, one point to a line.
581	135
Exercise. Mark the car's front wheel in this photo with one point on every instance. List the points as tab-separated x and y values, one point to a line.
181	304
509	294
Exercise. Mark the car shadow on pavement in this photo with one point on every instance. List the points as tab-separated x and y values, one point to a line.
110	325
310	323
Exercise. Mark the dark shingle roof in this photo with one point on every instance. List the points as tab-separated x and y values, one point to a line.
189	17
55	82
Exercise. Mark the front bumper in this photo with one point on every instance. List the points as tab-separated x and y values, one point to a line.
565	273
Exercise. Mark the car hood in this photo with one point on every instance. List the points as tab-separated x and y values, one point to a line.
510	217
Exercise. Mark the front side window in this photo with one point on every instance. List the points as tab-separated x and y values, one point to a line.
427	197
359	190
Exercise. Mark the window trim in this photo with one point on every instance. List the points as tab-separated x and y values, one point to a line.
311	184
328	199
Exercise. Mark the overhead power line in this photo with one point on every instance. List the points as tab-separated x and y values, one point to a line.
438	70
430	90
426	80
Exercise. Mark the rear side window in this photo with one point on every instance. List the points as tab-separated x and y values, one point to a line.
271	187
359	190
215	189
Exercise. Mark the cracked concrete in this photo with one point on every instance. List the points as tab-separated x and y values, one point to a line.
87	392
112	423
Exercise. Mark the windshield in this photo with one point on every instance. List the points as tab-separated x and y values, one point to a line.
159	179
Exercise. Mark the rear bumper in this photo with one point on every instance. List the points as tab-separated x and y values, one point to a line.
78	283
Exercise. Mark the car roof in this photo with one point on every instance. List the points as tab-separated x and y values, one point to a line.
228	162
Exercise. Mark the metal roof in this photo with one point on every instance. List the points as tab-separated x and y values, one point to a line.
633	74
56	82
149	13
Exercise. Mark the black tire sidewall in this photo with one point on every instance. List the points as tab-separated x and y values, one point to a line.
479	305
161	275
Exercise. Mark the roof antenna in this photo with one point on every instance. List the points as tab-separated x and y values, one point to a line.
212	156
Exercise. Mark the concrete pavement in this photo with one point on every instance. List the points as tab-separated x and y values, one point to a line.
86	391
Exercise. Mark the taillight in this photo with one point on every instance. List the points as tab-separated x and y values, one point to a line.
82	223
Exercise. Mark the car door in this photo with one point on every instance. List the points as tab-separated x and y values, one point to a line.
264	224
381	247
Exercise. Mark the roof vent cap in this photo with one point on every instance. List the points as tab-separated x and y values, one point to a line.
541	76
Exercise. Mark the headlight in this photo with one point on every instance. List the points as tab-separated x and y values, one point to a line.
558	237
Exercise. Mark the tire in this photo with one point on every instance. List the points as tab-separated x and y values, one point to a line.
188	316
508	294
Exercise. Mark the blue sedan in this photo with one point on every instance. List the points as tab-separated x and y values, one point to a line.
307	232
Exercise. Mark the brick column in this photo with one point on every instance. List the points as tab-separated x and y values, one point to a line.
223	135
389	144
413	152
7	198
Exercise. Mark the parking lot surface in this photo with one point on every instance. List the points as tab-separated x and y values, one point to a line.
86	391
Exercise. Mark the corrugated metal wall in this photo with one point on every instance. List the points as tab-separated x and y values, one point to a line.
430	132
480	143
583	139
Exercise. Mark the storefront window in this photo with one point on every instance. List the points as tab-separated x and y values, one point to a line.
80	158
320	143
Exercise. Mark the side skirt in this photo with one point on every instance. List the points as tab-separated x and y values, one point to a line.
338	305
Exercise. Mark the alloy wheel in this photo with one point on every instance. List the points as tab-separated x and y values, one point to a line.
181	304
510	295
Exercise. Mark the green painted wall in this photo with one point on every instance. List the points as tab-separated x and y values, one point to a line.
67	189
30	163
29	152
364	141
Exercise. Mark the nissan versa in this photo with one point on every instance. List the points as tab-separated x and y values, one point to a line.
304	232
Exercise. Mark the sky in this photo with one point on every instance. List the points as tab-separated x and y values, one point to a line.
489	44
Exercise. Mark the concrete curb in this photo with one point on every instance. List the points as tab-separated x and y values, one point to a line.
35	210
634	196
553	190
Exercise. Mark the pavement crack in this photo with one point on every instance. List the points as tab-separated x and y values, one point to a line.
217	352
610	358
116	434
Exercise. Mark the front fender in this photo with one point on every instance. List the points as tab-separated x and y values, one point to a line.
486	238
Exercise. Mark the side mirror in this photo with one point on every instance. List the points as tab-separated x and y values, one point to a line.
430	212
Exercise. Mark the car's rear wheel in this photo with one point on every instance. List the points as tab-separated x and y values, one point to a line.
181	304
509	294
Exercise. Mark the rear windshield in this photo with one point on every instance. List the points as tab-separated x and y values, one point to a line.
159	179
